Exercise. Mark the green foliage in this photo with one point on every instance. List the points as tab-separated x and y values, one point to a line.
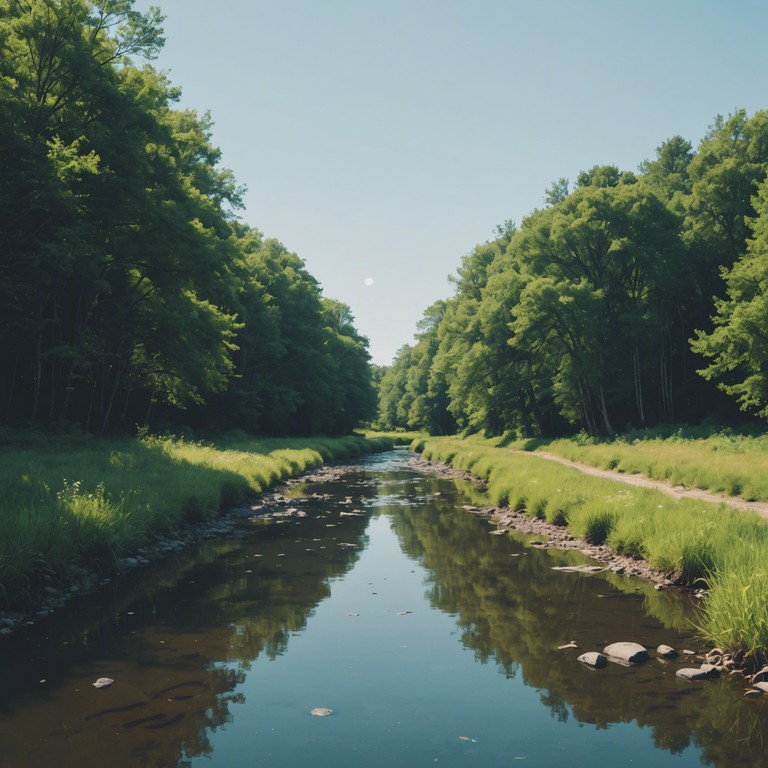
581	319
738	344
686	539
129	491
723	462
129	290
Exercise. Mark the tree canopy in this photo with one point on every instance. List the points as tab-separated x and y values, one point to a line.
599	310
129	291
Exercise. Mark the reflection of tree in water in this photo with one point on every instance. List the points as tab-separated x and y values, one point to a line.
516	611
177	653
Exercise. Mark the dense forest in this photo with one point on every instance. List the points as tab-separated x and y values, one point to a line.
633	299
129	290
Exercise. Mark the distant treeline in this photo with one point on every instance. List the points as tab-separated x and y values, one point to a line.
128	289
635	299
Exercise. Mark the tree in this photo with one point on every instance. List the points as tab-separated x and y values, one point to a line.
599	267
738	345
556	192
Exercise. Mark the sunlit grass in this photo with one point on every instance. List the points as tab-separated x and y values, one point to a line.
684	538
77	501
735	612
732	464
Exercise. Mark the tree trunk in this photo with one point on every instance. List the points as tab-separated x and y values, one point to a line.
604	411
638	383
38	365
11	387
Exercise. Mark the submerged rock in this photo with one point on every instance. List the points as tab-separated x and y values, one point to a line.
667	652
593	659
628	653
692	673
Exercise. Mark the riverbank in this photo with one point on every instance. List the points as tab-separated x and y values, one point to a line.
557	536
722	461
74	508
684	540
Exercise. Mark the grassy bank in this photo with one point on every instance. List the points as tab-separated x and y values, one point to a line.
683	538
78	501
723	462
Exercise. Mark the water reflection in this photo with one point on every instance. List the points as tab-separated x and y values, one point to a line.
219	653
514	611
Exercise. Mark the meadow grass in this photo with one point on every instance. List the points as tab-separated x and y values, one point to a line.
722	462
685	538
78	501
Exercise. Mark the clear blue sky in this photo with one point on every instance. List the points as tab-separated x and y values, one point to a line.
383	139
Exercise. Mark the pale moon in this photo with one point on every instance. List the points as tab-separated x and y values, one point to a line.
368	281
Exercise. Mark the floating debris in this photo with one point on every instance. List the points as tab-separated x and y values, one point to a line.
321	712
468	738
103	682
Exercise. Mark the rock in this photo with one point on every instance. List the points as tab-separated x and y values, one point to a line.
321	712
627	653
760	676
567	646
593	659
667	652
711	670
103	682
762	687
752	693
692	673
578	568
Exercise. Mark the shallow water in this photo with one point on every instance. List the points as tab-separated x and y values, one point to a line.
431	640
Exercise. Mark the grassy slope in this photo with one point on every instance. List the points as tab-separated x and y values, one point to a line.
687	538
736	465
80	501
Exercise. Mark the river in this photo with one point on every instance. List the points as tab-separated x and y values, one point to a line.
380	598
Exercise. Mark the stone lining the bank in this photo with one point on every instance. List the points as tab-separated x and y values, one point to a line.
558	536
80	582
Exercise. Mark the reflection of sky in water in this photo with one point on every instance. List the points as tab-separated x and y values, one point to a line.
409	621
404	689
403	686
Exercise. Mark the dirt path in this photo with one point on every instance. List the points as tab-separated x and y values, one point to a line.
675	491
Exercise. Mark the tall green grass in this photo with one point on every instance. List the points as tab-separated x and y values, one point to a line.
723	462
686	539
73	501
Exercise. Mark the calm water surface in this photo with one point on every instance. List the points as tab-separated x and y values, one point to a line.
432	641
